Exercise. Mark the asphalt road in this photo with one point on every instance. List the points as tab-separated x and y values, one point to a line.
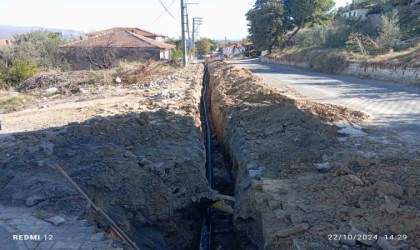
390	105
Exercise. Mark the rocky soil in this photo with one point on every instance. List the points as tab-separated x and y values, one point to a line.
135	149
306	181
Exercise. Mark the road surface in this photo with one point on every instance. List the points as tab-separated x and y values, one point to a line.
389	105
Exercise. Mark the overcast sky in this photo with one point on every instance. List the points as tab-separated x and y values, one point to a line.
221	18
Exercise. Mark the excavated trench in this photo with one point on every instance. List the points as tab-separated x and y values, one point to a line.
249	156
143	164
145	168
217	230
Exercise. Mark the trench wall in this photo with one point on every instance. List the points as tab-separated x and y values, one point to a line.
264	133
245	169
279	148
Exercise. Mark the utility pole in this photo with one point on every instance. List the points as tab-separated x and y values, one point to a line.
184	47
184	13
197	21
188	32
188	26
189	47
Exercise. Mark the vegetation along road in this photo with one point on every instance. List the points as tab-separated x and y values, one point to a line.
389	105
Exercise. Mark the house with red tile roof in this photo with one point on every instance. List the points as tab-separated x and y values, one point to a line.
103	49
233	49
5	42
138	31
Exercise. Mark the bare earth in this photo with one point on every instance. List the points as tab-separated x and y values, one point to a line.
135	148
317	175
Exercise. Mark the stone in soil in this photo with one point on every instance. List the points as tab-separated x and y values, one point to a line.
56	220
382	188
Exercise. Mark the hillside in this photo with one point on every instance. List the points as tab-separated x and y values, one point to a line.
8	31
409	15
410	20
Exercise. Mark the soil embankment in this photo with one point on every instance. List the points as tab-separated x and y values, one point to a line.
136	150
300	184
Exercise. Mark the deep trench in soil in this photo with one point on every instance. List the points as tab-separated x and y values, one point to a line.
222	235
188	220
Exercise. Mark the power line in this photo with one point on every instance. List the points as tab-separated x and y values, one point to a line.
166	9
161	14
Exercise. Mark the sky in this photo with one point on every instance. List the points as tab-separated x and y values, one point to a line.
221	18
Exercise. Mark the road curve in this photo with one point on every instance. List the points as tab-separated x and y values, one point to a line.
390	105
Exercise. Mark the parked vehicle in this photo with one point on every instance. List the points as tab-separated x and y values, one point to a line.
251	51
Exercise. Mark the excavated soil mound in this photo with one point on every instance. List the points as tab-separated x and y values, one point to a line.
262	115
302	185
145	167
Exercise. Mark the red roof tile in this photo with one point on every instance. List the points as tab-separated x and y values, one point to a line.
4	42
119	39
232	44
133	30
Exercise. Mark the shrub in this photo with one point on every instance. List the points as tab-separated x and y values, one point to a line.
7	54
14	103
21	70
342	28
338	35
176	54
41	46
390	33
314	37
361	44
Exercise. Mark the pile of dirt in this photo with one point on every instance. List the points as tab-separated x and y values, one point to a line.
146	72
143	163
70	80
302	185
262	115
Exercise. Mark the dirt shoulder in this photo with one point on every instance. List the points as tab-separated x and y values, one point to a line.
303	183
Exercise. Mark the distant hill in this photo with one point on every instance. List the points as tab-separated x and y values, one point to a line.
7	31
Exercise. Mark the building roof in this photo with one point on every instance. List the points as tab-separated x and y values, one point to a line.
133	30
119	39
234	44
4	42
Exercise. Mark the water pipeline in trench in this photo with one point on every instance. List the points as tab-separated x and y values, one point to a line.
217	229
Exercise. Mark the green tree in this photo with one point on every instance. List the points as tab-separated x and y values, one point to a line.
266	23
314	37
176	42
204	46
40	46
214	46
270	20
390	33
301	13
245	40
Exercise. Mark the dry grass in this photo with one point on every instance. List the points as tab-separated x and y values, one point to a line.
12	101
139	74
327	59
408	58
71	81
319	59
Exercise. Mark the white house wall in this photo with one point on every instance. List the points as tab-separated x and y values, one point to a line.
230	51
